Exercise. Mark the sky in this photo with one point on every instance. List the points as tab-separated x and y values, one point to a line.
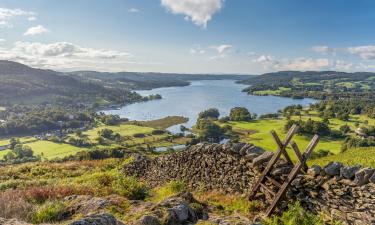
189	36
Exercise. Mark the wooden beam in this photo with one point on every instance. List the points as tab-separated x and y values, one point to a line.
300	157
273	181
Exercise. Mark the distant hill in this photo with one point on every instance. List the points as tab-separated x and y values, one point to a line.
316	84
20	83
134	80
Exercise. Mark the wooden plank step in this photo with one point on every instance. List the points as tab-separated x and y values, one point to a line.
273	181
267	189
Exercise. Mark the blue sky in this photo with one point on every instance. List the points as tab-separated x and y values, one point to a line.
189	36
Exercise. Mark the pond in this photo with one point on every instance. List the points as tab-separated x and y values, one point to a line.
188	101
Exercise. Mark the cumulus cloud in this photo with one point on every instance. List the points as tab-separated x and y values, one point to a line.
221	51
365	52
62	55
198	11
270	62
323	49
7	15
133	10
32	31
31	18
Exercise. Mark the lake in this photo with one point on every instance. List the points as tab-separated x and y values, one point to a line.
188	101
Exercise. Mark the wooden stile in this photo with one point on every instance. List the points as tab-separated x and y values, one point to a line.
298	167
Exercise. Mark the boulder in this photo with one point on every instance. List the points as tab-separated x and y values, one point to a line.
372	178
314	170
101	219
363	176
333	168
148	220
265	157
349	171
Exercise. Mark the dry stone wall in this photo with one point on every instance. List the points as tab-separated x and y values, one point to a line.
345	193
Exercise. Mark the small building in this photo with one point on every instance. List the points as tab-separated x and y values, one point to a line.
360	132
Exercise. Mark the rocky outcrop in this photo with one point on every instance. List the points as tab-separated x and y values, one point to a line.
345	193
101	219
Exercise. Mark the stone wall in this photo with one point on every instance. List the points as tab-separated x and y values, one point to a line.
345	193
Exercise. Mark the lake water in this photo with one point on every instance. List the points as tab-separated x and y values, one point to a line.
200	95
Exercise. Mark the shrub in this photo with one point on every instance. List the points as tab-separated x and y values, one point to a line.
139	135
295	215
130	188
14	205
49	212
158	132
168	190
211	113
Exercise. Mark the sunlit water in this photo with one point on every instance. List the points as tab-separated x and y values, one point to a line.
200	95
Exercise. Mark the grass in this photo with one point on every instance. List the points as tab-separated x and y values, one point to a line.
170	189
164	123
258	133
350	157
50	150
225	203
123	130
272	92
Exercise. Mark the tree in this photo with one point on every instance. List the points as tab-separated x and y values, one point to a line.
13	142
106	133
22	151
344	129
208	129
240	114
211	113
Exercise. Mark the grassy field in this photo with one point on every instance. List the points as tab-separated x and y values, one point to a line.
350	157
49	150
123	130
272	92
258	132
164	123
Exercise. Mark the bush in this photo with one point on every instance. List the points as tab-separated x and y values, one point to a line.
130	188
139	135
49	212
158	132
14	205
295	215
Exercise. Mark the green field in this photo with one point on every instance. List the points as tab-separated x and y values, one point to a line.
123	130
351	157
258	133
272	92
49	150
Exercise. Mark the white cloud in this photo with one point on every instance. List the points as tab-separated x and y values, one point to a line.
2	40
62	55
269	62
323	49
31	18
221	51
133	10
365	52
32	31
198	11
7	15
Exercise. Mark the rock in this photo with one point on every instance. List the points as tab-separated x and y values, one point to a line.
333	168
281	171
372	178
314	170
349	171
363	176
101	219
148	220
265	157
